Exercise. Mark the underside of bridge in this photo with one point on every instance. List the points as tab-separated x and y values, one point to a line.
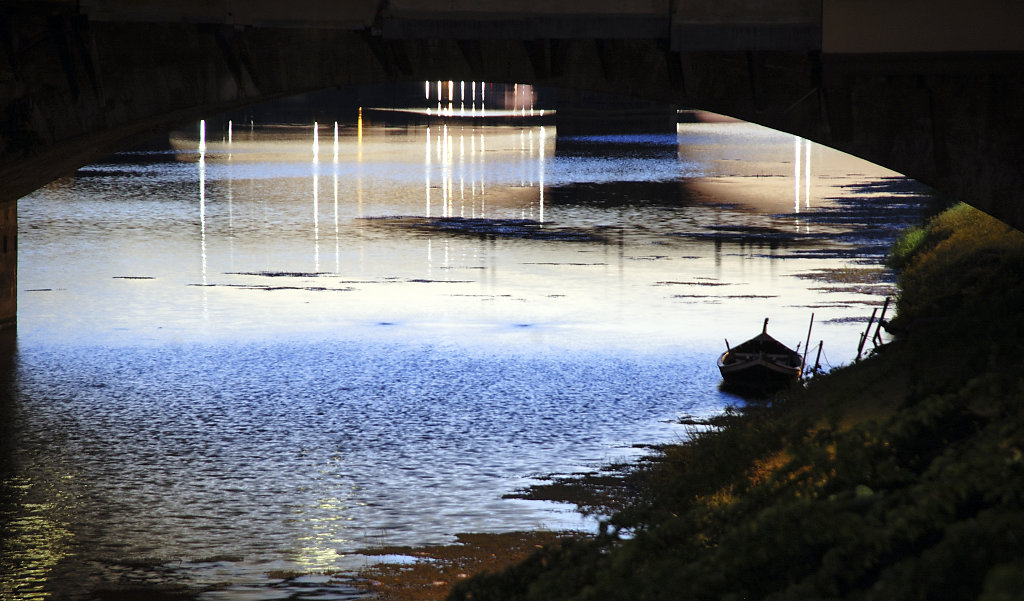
76	86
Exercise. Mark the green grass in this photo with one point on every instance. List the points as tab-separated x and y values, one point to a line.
899	477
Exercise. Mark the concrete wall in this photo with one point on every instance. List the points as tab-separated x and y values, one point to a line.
307	14
746	25
915	26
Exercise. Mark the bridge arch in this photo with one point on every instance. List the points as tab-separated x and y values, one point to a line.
75	89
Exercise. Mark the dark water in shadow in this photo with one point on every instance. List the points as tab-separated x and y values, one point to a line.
234	371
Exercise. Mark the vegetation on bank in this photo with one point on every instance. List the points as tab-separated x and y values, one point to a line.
898	477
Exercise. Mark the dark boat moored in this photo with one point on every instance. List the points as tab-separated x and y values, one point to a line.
761	364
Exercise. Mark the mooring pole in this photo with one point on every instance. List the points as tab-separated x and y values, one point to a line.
867	332
877	338
803	361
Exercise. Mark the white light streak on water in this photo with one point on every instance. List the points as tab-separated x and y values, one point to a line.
796	174
316	219
807	175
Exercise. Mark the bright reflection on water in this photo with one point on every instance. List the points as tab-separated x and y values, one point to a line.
251	362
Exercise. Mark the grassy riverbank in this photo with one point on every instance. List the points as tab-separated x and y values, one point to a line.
899	477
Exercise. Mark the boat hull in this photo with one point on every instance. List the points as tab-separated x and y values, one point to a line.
761	364
758	373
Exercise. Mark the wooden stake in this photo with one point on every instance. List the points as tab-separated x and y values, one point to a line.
877	339
803	362
867	332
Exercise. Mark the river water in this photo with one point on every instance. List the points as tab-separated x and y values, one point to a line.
236	368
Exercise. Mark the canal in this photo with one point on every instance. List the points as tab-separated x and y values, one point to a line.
254	355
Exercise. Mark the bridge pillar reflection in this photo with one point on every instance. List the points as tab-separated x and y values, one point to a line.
8	264
581	113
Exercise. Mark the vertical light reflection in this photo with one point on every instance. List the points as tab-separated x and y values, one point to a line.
316	219
522	164
796	174
316	196
337	228
202	136
430	258
202	219
231	214
445	190
462	175
483	197
472	173
359	188
359	136
426	173
229	131
540	173
316	141
202	212
336	135
807	174
426	90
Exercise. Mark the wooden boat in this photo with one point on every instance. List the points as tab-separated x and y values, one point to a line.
761	364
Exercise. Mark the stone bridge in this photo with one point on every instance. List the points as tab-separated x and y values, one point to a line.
933	89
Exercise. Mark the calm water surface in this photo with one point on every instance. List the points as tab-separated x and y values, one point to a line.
236	368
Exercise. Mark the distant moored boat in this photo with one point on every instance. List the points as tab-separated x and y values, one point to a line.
761	364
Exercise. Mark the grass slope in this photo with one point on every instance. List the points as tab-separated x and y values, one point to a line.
899	477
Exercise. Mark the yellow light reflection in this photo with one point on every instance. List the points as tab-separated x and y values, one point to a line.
36	542
359	136
326	523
